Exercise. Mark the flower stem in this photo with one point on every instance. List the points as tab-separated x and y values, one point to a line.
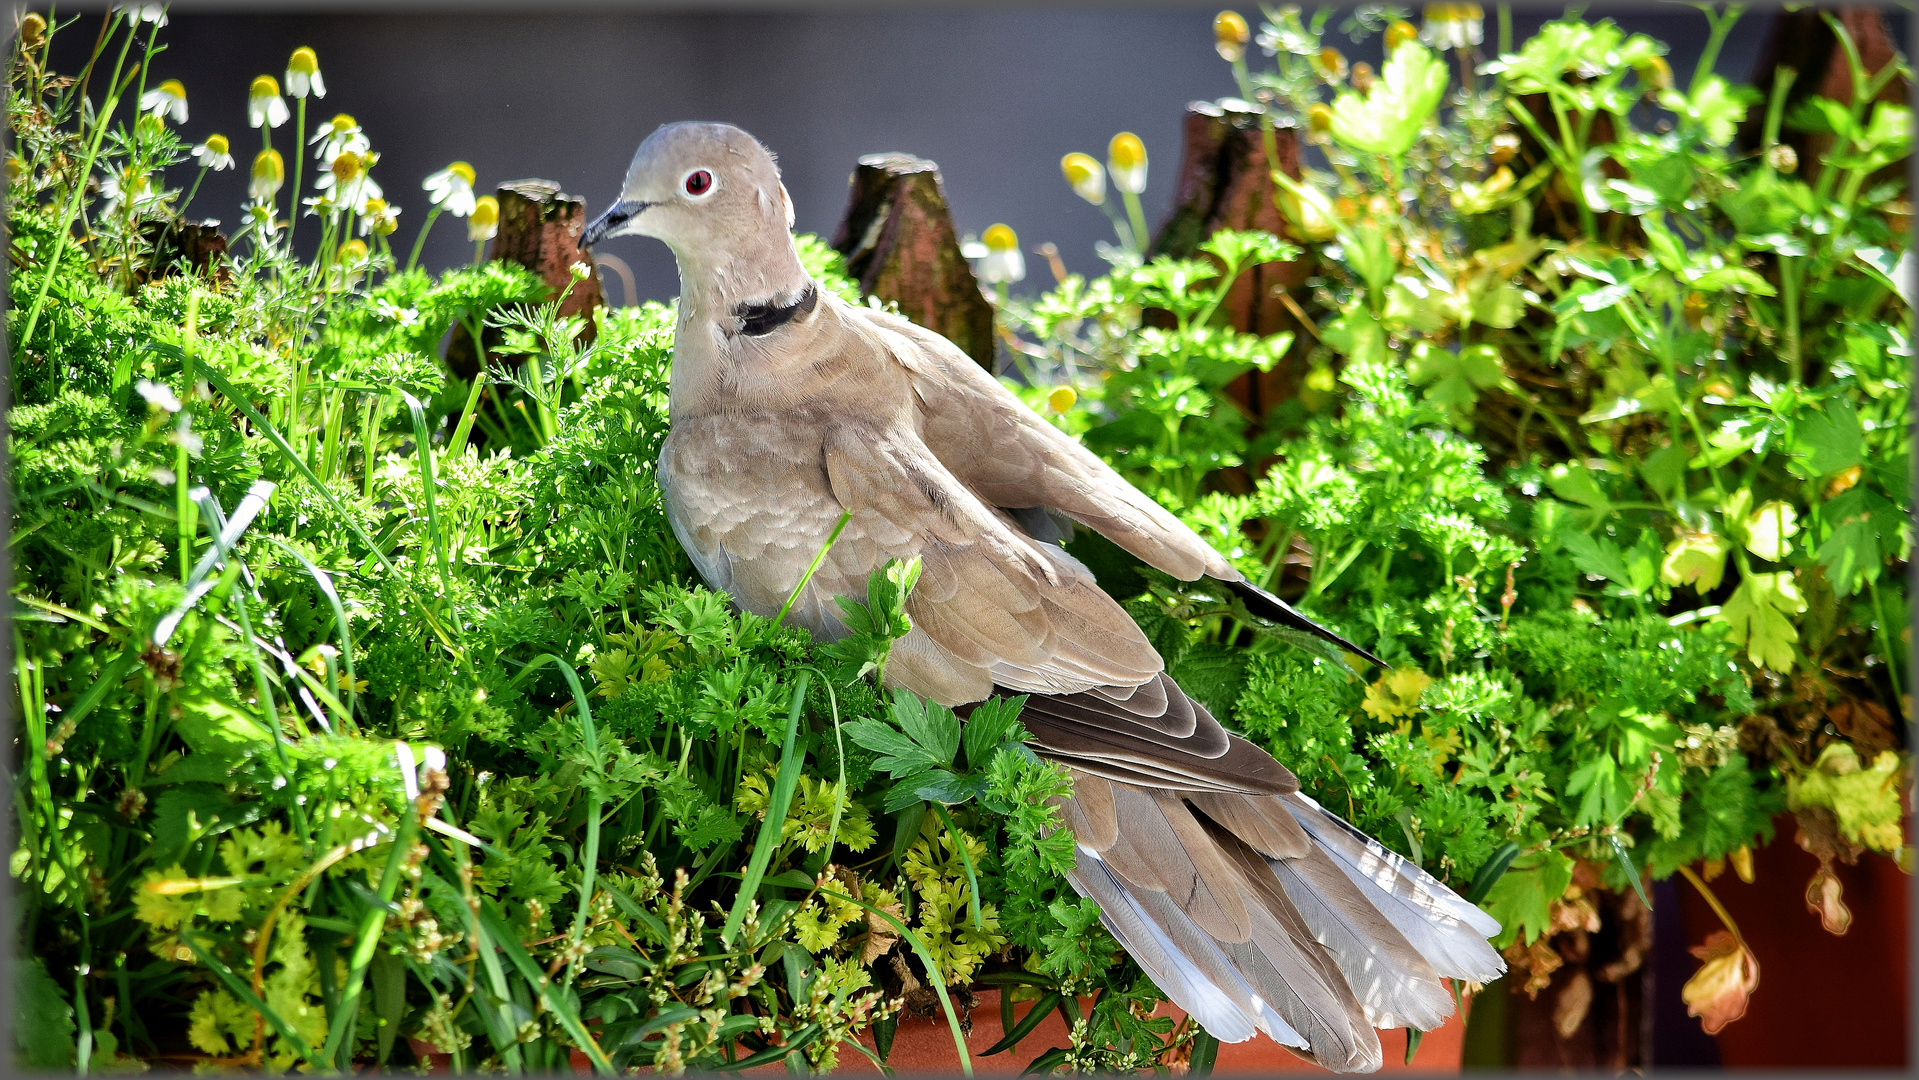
299	164
420	242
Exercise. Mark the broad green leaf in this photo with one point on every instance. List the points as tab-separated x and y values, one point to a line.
42	1020
1697	559
1521	899
1757	615
1455	378
1714	111
1387	120
1866	526
1574	483
1769	529
1866	801
1828	439
991	723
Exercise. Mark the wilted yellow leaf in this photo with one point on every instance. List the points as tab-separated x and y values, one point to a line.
1719	991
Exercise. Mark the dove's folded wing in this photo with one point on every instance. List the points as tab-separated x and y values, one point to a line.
992	606
1012	458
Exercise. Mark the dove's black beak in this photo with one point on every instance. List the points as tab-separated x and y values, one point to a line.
610	222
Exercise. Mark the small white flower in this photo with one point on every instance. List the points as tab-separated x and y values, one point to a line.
214	154
167	99
261	215
1452	26
1085	176
1126	161
269	172
1003	261
159	398
377	216
265	106
340	135
347	181
144	13
126	185
485	222
303	74
451	189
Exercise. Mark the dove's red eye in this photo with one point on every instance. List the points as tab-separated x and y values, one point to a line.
699	182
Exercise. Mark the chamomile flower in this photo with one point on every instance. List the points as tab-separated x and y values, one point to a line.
145	13
127	186
1085	176
303	74
214	154
269	173
1003	262
169	99
351	265
1453	26
33	30
377	216
484	222
337	136
1126	160
347	182
265	106
1230	34
451	189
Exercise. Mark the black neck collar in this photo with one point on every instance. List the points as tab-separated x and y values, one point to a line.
758	320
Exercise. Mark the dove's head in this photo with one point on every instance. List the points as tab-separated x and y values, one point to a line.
710	191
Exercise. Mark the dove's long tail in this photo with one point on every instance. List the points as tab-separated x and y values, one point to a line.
1249	905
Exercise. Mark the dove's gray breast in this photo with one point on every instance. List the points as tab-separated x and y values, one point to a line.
748	498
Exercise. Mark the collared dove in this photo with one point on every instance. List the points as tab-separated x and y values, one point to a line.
1254	909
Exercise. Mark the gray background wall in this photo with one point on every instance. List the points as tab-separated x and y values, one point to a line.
994	95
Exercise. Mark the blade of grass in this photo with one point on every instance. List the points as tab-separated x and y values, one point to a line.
1040	1011
338	1048
590	859
1205	1054
241	990
831	538
530	971
220	382
423	454
464	429
787	779
932	971
966	860
325	582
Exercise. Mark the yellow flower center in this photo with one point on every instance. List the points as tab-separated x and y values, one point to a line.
1399	33
343	124
1320	118
265	86
1126	151
1230	29
268	165
1000	238
346	167
462	170
353	251
217	144
1330	63
173	89
1062	398
486	210
304	61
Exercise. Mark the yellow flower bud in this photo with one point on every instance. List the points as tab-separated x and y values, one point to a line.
1655	72
353	251
1126	160
1319	119
1783	158
1063	397
1003	262
1399	33
1363	77
1085	176
484	222
1230	35
269	172
217	144
33	30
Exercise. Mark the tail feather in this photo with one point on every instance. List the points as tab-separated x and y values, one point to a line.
1449	932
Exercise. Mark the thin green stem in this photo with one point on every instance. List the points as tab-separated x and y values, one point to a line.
419	242
299	163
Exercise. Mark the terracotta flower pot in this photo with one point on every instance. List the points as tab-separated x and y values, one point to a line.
924	1046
